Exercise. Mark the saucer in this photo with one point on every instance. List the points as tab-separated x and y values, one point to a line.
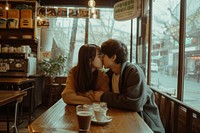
108	119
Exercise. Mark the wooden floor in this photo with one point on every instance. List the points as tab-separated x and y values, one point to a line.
39	110
22	127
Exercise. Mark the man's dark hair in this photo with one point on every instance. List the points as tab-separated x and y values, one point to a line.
114	47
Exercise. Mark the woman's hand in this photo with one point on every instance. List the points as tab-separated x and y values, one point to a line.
88	94
97	95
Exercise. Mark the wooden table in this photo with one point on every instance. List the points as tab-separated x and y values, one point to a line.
62	118
21	84
18	83
7	97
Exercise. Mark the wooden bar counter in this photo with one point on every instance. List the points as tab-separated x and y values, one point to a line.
62	118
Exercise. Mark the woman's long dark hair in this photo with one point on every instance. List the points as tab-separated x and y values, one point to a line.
85	79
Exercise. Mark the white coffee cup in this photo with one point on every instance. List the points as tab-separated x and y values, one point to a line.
4	49
23	49
100	114
19	49
11	49
15	50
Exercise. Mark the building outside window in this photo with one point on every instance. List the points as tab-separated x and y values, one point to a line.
165	49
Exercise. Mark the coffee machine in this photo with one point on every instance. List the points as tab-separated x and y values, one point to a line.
17	65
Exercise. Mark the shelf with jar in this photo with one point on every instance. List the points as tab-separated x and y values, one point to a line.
18	15
17	24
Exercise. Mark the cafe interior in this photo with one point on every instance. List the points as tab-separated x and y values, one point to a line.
39	44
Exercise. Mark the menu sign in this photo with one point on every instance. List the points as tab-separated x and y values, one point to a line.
45	54
127	9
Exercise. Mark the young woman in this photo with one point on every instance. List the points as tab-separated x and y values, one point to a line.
85	77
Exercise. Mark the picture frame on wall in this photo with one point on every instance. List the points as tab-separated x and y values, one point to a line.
83	13
43	23
73	13
62	12
95	14
51	12
41	12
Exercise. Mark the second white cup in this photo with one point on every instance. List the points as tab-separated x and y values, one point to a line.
100	114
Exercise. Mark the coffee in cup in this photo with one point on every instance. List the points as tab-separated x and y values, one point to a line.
84	115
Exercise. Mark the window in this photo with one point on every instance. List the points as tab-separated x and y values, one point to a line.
164	52
192	55
106	27
165	49
66	35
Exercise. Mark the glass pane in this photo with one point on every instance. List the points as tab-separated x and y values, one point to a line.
62	36
106	27
192	55
165	45
66	35
134	27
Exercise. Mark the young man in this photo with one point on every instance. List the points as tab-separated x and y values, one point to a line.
128	88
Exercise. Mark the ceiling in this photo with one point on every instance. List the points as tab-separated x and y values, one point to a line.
78	3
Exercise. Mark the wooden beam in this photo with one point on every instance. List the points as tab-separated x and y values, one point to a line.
78	3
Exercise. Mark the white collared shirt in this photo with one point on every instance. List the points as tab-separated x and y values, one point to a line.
115	83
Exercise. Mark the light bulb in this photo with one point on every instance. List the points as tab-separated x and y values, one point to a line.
91	3
93	10
38	17
7	6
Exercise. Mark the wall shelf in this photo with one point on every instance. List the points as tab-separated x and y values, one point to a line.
20	36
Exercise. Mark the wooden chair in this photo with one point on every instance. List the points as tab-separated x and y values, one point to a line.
53	93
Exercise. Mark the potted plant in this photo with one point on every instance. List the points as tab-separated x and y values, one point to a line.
53	67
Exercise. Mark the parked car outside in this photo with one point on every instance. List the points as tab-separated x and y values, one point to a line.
154	67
